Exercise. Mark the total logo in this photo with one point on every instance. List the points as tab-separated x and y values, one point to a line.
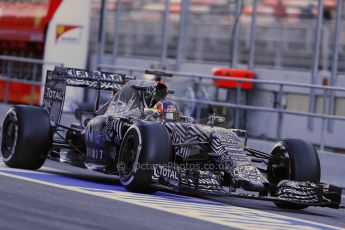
54	95
161	171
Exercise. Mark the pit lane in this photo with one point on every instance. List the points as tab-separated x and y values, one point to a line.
63	197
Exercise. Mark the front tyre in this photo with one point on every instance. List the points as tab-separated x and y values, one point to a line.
143	145
26	137
299	162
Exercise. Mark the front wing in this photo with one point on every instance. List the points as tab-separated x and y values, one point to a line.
208	183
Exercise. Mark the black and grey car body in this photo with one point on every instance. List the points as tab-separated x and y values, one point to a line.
127	138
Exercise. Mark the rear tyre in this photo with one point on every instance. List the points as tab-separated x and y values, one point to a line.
26	137
300	163
143	145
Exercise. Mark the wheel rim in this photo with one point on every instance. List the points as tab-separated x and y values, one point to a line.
279	169
128	157
9	137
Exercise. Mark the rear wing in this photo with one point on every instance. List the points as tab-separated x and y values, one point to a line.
87	79
60	77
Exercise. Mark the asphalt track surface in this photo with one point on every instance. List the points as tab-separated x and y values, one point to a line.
63	197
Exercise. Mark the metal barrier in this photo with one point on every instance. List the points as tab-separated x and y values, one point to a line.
281	86
21	72
213	35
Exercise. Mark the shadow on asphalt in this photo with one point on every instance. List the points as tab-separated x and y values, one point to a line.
73	172
91	178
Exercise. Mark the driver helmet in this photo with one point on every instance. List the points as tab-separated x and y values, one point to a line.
168	109
158	94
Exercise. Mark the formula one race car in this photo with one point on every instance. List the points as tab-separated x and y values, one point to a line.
140	136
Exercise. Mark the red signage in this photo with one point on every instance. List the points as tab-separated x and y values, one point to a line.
233	73
20	93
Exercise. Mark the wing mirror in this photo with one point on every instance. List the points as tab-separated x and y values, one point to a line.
186	119
215	120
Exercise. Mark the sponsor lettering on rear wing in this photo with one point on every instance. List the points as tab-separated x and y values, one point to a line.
60	77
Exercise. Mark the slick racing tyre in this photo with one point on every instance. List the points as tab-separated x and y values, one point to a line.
301	163
143	145
26	137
